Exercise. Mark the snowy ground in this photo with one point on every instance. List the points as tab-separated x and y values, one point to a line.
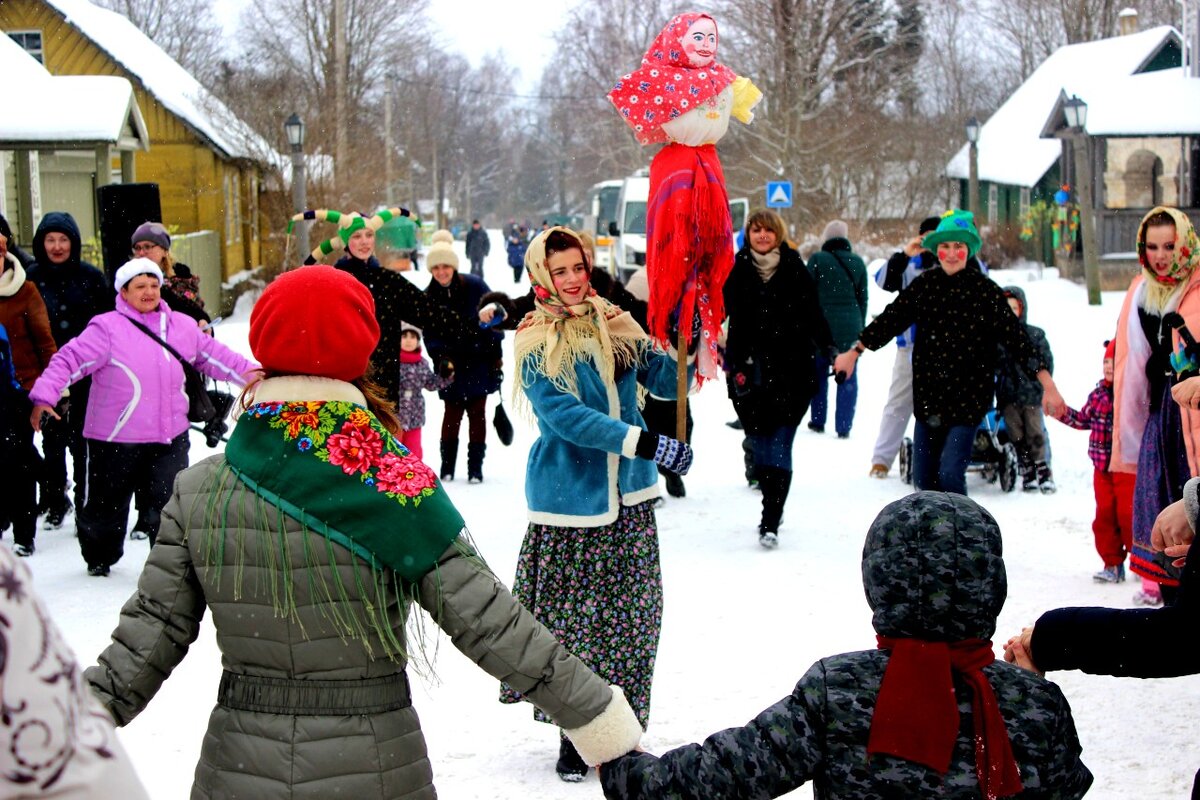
741	624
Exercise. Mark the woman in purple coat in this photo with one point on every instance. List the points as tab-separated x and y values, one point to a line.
136	428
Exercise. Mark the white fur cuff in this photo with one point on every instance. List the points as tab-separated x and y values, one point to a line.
629	444
613	733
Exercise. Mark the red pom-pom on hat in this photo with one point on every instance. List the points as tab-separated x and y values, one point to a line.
315	320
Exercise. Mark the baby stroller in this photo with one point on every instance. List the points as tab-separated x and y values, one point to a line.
993	456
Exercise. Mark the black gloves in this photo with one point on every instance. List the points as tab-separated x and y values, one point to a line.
445	368
671	454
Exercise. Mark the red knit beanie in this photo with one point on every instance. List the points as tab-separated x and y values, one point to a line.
1110	349
315	320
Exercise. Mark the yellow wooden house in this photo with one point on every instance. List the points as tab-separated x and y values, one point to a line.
210	166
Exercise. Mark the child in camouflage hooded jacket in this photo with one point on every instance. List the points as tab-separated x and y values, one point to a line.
868	724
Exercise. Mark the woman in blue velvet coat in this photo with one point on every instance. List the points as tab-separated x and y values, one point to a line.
588	568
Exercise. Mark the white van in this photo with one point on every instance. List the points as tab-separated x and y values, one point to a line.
629	228
603	199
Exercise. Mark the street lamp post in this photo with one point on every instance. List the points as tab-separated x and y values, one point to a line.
1075	111
294	127
973	175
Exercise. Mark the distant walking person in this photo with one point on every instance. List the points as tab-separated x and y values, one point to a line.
478	246
841	279
516	244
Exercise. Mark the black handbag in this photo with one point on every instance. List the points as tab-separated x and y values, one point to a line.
504	428
200	406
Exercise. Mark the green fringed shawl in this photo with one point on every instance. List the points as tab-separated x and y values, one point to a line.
334	468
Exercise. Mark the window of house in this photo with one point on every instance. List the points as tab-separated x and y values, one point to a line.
993	210
227	185
235	184
30	41
254	231
1024	201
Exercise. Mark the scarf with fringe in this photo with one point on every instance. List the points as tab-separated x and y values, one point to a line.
555	336
333	467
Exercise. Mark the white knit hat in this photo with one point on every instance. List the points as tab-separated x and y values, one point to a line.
134	267
441	235
836	229
440	253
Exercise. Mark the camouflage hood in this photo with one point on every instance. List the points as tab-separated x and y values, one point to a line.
933	569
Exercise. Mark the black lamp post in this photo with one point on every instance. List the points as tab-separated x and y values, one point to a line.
1075	111
973	175
294	128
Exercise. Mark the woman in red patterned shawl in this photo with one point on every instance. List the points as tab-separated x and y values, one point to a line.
681	97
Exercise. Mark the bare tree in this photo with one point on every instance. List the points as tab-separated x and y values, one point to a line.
292	41
1034	29
186	29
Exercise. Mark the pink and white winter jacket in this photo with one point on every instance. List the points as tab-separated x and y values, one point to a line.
137	392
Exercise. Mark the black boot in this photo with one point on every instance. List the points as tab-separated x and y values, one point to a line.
775	484
748	461
1029	476
449	456
475	452
675	486
570	766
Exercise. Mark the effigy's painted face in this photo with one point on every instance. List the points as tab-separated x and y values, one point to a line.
700	42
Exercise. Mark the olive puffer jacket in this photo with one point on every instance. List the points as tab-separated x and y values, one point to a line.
301	711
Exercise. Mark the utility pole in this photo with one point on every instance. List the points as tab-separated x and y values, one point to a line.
389	175
341	154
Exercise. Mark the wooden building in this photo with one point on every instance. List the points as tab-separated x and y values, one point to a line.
210	165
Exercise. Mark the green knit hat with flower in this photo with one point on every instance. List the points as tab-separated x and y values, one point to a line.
956	226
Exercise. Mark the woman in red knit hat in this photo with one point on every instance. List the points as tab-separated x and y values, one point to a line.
310	540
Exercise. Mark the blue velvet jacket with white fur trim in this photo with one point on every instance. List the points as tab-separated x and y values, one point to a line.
583	464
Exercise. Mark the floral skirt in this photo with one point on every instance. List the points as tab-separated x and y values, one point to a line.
599	591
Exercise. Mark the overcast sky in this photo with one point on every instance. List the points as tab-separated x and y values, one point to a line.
521	29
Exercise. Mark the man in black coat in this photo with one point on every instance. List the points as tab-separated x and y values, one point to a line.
74	291
478	246
961	316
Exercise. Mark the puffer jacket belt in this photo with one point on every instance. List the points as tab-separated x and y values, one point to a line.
313	698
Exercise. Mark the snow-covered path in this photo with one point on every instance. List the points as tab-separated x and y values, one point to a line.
741	624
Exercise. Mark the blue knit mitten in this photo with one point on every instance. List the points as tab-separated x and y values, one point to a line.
669	453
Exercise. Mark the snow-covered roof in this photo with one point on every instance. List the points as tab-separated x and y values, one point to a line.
1169	99
164	78
87	108
1011	149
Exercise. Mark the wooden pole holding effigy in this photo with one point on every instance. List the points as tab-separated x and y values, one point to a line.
681	385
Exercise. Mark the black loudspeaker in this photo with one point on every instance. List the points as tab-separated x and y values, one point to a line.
124	206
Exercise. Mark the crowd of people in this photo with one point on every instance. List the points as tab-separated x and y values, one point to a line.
329	432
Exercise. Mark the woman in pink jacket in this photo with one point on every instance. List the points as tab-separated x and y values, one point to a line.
136	428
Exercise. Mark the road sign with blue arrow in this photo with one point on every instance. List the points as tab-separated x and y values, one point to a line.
779	194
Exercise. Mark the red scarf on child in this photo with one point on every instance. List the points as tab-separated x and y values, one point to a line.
916	714
413	357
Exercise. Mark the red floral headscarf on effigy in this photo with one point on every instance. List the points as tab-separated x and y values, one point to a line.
667	85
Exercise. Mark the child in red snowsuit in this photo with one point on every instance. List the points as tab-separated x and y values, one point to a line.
1113	525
